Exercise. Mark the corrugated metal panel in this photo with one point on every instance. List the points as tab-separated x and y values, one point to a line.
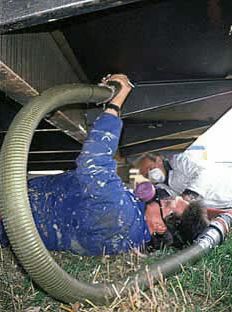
31	63
36	59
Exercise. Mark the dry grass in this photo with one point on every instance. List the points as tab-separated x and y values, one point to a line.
203	287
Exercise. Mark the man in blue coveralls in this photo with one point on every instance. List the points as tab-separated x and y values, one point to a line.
88	211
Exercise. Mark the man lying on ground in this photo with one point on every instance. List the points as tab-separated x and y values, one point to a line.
89	211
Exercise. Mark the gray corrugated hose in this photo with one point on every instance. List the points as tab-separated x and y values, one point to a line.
18	220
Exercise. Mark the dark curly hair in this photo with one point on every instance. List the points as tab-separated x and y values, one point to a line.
184	229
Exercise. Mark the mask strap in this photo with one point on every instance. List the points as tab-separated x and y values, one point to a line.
161	212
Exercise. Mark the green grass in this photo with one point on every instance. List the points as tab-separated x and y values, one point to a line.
205	286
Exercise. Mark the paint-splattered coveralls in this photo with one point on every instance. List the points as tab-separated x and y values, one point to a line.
88	210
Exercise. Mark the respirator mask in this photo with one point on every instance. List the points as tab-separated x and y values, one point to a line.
156	175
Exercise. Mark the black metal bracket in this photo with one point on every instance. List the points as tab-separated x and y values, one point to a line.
156	145
147	97
142	132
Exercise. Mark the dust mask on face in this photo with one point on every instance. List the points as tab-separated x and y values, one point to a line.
156	175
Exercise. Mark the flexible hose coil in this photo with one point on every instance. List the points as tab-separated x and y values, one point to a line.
17	216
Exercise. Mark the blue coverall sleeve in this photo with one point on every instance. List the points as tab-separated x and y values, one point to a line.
96	168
